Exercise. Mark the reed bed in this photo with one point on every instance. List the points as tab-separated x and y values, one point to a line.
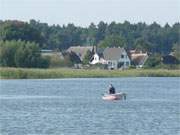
32	73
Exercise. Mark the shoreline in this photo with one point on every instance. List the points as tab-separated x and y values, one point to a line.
55	73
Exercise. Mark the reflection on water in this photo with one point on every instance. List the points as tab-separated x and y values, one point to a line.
75	107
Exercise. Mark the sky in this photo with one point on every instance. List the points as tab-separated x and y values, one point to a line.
83	12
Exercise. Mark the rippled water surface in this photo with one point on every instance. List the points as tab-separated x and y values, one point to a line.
75	107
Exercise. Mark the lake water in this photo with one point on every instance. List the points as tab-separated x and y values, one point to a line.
75	107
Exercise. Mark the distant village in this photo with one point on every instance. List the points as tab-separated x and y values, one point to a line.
107	58
105	46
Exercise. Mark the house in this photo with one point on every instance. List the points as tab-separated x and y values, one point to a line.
114	58
98	57
138	58
95	59
169	59
81	51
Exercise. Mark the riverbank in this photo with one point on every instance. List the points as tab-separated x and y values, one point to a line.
25	73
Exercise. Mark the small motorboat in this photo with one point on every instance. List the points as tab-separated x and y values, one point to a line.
117	96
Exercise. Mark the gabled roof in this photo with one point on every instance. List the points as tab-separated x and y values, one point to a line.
139	58
170	59
113	53
100	51
80	50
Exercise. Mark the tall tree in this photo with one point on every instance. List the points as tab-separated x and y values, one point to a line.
92	31
142	45
113	41
101	31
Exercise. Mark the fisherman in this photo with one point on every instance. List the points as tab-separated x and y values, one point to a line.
111	89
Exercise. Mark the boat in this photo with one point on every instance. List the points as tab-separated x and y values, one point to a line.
117	96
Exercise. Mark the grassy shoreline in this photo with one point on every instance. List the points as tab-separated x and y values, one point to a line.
25	73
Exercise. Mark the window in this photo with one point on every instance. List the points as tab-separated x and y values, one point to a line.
122	56
120	64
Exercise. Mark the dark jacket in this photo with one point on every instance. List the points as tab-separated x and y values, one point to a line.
112	90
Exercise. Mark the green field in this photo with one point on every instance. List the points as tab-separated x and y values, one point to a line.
25	73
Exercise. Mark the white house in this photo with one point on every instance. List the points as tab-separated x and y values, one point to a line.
95	59
115	58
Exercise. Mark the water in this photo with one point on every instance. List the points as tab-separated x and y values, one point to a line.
75	107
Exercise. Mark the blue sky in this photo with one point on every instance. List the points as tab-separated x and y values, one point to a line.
83	12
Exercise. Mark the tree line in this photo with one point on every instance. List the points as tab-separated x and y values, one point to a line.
153	38
20	42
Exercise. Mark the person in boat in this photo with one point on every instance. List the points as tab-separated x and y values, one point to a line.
111	89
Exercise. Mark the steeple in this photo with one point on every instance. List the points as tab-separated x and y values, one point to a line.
94	49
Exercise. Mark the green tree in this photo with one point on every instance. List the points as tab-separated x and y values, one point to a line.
87	57
153	61
21	54
15	30
101	31
142	45
70	58
113	41
28	55
176	50
7	52
92	31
